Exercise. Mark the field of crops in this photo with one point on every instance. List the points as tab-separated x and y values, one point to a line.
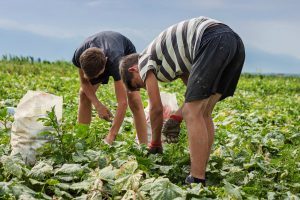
256	154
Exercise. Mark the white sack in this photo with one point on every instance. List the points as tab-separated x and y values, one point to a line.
25	137
170	106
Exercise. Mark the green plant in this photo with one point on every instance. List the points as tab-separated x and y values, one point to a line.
256	152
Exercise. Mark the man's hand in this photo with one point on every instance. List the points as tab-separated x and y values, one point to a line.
104	113
110	138
171	129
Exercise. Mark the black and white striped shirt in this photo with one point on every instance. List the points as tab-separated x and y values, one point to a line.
172	53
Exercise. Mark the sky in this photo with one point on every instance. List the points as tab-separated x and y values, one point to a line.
52	30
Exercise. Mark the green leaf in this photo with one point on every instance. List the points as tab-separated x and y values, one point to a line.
84	185
81	130
67	178
85	197
274	140
232	190
129	182
295	138
92	155
63	186
63	194
12	165
108	173
5	188
165	169
292	196
79	146
35	182
127	177
127	168
3	113
19	189
130	194
73	169
162	188
271	195
26	197
197	191
40	171
78	157
52	182
147	184
97	190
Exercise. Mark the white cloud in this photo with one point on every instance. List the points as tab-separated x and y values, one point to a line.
191	4
95	2
43	30
68	32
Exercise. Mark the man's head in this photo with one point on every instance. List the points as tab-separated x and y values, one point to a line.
130	73
92	62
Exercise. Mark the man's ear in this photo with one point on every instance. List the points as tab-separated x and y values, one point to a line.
133	68
105	60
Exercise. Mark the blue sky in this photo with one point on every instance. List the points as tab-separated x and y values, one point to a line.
51	30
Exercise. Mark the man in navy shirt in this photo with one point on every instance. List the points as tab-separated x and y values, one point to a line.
97	59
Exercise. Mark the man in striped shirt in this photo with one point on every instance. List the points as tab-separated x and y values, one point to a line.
208	56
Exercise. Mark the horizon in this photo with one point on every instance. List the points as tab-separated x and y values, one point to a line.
31	59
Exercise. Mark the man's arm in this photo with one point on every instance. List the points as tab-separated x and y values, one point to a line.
156	108
137	108
120	112
90	92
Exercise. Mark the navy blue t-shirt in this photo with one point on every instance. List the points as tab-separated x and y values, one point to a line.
114	46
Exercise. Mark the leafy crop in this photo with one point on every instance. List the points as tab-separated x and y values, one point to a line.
256	153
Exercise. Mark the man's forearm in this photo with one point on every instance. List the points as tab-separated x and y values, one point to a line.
137	109
140	123
90	93
88	90
156	107
118	119
156	118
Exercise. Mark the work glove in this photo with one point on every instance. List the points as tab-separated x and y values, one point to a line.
171	129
